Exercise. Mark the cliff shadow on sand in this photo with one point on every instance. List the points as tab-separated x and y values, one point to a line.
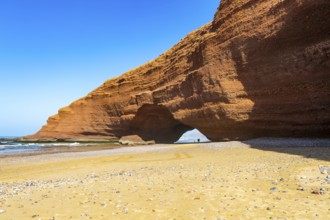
306	147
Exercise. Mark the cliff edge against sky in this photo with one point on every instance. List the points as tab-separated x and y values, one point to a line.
261	68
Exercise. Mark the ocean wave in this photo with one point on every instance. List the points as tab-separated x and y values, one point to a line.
15	147
60	144
7	142
18	146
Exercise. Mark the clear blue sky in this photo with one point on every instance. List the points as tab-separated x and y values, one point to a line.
53	52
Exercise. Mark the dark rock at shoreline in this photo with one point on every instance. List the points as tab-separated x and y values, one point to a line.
134	140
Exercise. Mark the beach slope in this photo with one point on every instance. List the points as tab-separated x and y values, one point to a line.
195	181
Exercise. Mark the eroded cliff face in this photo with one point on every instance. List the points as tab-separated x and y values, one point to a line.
261	68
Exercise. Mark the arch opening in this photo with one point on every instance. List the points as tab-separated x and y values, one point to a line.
156	122
192	136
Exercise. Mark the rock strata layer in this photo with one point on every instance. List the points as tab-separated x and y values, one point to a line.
261	68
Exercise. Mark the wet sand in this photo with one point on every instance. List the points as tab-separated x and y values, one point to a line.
192	181
63	148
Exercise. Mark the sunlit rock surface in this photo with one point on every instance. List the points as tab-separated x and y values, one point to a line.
261	68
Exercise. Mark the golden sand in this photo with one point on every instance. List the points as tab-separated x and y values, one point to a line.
184	182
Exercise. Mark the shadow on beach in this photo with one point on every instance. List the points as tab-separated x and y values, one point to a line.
308	148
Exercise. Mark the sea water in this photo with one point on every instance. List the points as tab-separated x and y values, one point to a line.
9	147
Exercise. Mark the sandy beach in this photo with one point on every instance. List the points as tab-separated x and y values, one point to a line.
232	180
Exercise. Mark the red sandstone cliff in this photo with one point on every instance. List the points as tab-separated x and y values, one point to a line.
261	68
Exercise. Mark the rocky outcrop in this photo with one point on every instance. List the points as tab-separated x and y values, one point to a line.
261	68
134	140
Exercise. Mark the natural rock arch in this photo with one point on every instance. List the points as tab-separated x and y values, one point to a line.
156	122
261	68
